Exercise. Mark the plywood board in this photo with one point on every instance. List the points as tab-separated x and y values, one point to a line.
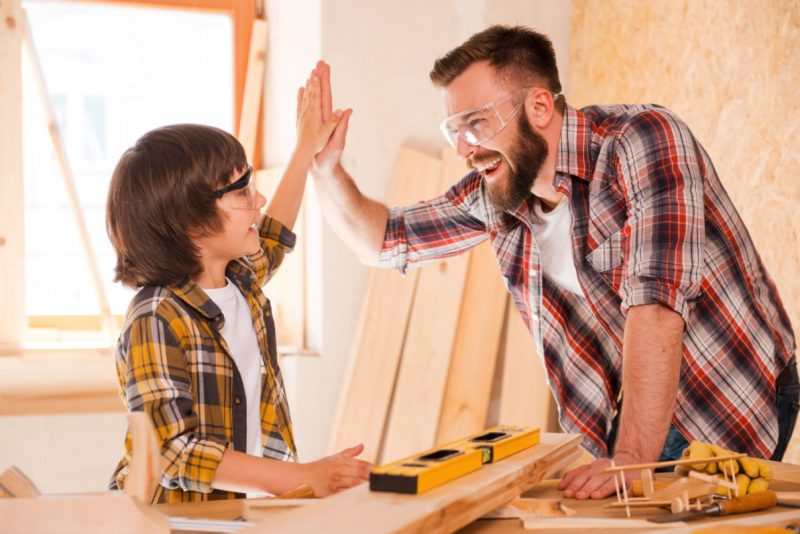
469	381
444	509
369	382
422	376
525	398
12	244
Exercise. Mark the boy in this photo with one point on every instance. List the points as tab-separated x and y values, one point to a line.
197	351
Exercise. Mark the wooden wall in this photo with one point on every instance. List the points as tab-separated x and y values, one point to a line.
731	70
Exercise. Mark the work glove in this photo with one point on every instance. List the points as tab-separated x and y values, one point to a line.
752	474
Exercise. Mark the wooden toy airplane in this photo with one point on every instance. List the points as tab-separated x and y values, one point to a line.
694	491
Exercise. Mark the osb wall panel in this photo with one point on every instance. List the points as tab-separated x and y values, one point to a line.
731	70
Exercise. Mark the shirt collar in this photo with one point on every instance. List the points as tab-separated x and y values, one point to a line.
574	155
193	295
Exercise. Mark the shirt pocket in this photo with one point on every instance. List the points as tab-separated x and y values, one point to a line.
607	258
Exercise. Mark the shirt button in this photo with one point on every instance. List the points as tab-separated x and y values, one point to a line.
532	272
237	401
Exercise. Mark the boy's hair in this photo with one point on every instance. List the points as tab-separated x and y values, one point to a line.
516	53
161	195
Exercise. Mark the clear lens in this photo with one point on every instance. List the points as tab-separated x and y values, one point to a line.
245	198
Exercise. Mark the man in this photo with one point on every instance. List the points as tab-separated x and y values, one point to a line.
619	246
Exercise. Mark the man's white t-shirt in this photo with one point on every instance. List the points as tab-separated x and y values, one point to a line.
552	233
240	335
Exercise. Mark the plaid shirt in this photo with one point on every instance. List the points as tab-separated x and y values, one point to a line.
651	224
173	364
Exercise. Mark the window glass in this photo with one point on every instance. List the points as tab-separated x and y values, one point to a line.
113	73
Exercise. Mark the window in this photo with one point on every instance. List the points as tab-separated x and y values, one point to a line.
113	71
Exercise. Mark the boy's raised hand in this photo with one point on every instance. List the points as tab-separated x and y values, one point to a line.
314	126
339	471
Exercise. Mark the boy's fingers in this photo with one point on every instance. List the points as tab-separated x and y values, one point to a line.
352	452
300	92
325	88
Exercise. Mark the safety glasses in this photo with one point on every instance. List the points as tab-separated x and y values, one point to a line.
244	189
478	125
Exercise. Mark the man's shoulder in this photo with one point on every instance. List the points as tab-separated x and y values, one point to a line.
617	120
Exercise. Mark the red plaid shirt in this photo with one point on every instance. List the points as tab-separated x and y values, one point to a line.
651	223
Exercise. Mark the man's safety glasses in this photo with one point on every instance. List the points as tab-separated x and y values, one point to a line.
478	125
245	191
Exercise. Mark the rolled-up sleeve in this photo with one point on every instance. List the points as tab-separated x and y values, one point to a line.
439	228
158	383
661	172
276	241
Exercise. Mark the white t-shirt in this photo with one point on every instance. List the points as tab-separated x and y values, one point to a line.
552	233
240	335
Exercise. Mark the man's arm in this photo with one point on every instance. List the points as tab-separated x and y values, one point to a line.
651	362
359	221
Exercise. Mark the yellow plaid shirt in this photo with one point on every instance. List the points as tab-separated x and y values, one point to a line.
173	364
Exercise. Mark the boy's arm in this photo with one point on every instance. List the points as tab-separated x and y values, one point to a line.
244	473
157	382
313	132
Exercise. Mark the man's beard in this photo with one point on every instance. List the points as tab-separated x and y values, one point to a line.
525	160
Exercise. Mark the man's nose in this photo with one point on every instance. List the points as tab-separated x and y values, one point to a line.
464	149
261	200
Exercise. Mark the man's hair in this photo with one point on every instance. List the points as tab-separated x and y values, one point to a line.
515	52
161	195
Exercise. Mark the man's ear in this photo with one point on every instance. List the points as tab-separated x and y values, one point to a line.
539	107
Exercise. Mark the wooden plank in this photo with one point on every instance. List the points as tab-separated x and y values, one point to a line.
12	234
525	398
14	483
422	377
472	367
145	468
110	512
369	381
444	509
109	324
253	88
469	382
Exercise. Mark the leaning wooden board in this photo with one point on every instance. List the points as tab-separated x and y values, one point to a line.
444	509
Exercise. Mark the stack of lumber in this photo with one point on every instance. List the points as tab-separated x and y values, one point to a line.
441	352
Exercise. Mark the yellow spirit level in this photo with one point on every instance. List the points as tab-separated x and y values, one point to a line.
421	472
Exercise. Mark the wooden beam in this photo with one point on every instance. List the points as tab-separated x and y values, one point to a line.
525	397
12	234
253	89
422	376
378	342
476	350
477	338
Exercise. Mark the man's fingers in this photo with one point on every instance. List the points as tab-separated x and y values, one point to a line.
340	133
569	476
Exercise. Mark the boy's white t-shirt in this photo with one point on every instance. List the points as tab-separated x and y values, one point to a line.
240	335
552	233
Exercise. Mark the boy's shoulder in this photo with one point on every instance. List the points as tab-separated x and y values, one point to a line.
153	302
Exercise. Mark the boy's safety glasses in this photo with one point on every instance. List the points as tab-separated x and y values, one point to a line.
244	189
478	125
